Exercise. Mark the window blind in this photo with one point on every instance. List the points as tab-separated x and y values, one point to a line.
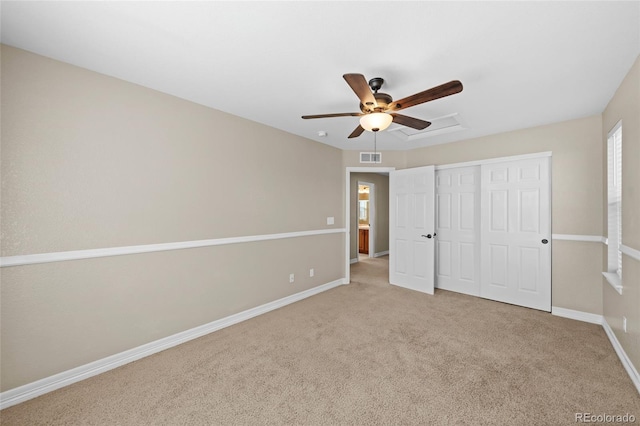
614	196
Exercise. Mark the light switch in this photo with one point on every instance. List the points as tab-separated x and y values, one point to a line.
330	220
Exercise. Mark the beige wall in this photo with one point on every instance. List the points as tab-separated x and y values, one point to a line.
114	164
89	161
625	106
576	196
381	233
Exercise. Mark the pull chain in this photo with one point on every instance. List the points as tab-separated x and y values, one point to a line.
375	149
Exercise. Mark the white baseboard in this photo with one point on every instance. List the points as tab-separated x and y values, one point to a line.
626	362
599	319
57	381
576	315
382	253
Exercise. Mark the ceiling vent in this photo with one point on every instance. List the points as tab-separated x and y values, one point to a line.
441	125
370	157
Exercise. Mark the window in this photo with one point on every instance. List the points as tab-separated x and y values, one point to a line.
614	206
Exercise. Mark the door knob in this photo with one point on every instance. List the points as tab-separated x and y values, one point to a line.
545	241
427	236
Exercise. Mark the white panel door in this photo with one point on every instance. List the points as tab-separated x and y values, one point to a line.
458	230
412	228
516	233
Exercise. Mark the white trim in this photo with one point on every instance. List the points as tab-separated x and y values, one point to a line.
347	240
614	280
631	252
576	315
57	381
599	319
576	237
614	128
494	160
31	259
372	217
626	362
380	254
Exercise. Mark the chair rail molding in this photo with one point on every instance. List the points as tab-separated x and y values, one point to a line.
31	259
578	237
631	252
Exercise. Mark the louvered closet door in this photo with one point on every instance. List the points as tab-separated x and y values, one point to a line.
458	229
516	233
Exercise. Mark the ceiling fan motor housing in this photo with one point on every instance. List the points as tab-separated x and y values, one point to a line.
383	101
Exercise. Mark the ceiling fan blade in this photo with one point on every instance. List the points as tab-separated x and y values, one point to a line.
447	89
414	123
357	132
341	114
359	84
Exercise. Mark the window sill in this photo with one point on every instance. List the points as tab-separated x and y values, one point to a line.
614	280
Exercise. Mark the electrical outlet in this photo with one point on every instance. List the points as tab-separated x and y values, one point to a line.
292	278
624	324
311	272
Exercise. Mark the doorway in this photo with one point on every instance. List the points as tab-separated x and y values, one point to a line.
378	235
366	216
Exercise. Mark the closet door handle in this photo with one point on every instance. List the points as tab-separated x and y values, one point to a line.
426	236
545	241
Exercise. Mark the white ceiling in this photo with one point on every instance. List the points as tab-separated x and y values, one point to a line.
522	64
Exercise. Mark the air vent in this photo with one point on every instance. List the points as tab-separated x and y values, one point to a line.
370	157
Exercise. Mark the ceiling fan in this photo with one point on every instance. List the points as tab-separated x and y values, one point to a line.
378	108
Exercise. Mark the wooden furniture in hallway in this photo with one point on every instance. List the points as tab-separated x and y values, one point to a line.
363	240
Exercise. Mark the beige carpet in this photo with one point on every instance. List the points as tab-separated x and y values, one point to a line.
367	353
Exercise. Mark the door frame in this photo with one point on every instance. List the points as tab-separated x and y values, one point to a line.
347	242
372	219
495	160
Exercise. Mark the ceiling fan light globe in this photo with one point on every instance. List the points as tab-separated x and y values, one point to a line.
375	120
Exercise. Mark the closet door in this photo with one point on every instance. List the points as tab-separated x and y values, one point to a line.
516	233
458	229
